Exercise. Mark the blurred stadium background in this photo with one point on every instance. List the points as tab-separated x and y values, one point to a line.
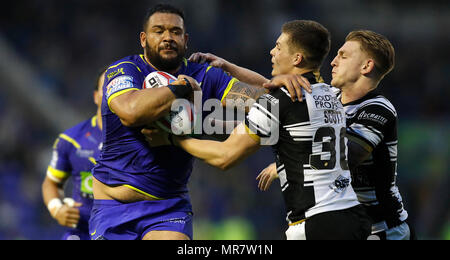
50	52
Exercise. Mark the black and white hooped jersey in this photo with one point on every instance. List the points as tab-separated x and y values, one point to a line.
309	141
372	122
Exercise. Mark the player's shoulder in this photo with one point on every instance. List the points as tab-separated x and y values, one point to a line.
194	66
322	88
373	110
125	64
77	131
375	102
205	69
284	96
278	94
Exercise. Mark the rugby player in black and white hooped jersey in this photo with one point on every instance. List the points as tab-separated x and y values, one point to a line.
308	138
359	66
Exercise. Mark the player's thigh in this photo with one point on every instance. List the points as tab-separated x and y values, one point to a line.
165	235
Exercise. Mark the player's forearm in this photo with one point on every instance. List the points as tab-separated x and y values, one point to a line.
143	107
224	154
212	152
245	75
50	190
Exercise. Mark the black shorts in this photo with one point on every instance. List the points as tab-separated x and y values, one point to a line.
348	224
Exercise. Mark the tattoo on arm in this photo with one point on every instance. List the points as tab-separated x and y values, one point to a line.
242	96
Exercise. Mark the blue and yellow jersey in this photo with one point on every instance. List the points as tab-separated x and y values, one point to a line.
74	154
126	158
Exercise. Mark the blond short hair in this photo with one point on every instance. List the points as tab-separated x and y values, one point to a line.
378	47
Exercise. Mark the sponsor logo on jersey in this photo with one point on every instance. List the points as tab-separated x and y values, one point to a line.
84	153
372	117
340	184
117	84
326	102
115	73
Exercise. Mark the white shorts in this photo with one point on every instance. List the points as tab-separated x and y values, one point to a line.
296	232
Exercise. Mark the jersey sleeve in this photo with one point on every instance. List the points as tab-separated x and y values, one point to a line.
121	78
59	168
217	83
374	123
263	119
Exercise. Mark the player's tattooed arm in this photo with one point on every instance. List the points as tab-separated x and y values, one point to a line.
242	96
242	93
293	83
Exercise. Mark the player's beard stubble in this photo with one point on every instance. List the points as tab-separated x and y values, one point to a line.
165	64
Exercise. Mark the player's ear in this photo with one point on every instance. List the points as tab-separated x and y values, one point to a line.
97	98
143	39
297	58
368	66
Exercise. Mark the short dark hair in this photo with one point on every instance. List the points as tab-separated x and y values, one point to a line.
312	38
161	8
378	47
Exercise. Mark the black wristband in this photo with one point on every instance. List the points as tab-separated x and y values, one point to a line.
181	91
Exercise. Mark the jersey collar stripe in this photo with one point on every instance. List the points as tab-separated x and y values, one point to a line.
70	140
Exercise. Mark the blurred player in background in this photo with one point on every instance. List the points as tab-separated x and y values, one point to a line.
358	68
310	150
74	154
141	191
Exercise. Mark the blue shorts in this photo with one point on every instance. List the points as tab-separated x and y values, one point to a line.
113	220
81	232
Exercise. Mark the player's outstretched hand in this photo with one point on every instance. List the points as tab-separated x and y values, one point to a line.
212	59
267	176
294	84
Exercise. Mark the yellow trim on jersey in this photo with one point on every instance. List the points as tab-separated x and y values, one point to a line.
70	140
55	143
57	173
185	62
92	160
209	67
148	63
297	222
123	63
94	121
142	192
118	93
230	84
251	134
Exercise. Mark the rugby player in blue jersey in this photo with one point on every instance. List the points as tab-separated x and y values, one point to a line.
74	153
141	191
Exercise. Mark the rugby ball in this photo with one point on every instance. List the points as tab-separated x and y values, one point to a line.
181	118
